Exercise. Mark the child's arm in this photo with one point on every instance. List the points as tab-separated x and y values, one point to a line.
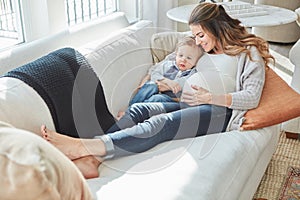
155	72
144	80
158	73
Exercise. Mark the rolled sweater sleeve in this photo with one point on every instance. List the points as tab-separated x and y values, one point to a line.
251	76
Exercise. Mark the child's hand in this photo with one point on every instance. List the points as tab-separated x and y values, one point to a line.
162	87
173	86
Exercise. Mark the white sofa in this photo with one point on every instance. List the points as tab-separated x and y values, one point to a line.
223	166
293	125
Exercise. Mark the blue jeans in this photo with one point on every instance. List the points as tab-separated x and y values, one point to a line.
147	124
149	93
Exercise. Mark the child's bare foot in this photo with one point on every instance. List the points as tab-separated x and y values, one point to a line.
73	148
88	166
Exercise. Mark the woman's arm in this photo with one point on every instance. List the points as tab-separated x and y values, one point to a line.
251	77
202	96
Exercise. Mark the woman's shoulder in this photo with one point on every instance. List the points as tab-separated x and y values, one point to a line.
253	49
254	53
252	63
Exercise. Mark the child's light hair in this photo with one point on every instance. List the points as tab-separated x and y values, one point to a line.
190	41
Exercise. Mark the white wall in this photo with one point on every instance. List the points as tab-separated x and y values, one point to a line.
42	18
185	2
155	10
182	26
130	7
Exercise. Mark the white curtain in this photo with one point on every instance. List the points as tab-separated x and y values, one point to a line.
156	11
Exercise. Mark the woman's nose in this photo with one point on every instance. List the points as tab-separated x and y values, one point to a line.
198	41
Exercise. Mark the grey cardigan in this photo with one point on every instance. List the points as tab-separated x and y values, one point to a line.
249	86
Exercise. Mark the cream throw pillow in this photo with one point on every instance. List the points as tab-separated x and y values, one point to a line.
32	169
22	107
164	43
279	103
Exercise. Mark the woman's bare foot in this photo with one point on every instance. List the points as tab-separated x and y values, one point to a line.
73	148
88	166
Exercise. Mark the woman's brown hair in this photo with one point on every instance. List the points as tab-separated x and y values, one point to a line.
233	37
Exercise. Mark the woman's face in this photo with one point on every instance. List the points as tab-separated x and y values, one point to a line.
206	40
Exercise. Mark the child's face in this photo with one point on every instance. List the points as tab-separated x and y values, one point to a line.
186	57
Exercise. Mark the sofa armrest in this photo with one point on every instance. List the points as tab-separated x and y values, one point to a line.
293	126
34	169
297	11
294	58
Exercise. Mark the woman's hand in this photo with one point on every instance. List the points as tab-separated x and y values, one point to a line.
196	97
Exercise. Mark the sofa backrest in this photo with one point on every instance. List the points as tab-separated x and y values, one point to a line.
73	37
121	61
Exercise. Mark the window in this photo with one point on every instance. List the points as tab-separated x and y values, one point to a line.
29	20
10	23
79	11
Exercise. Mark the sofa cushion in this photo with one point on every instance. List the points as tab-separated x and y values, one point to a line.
279	103
298	14
22	107
120	61
212	167
31	168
